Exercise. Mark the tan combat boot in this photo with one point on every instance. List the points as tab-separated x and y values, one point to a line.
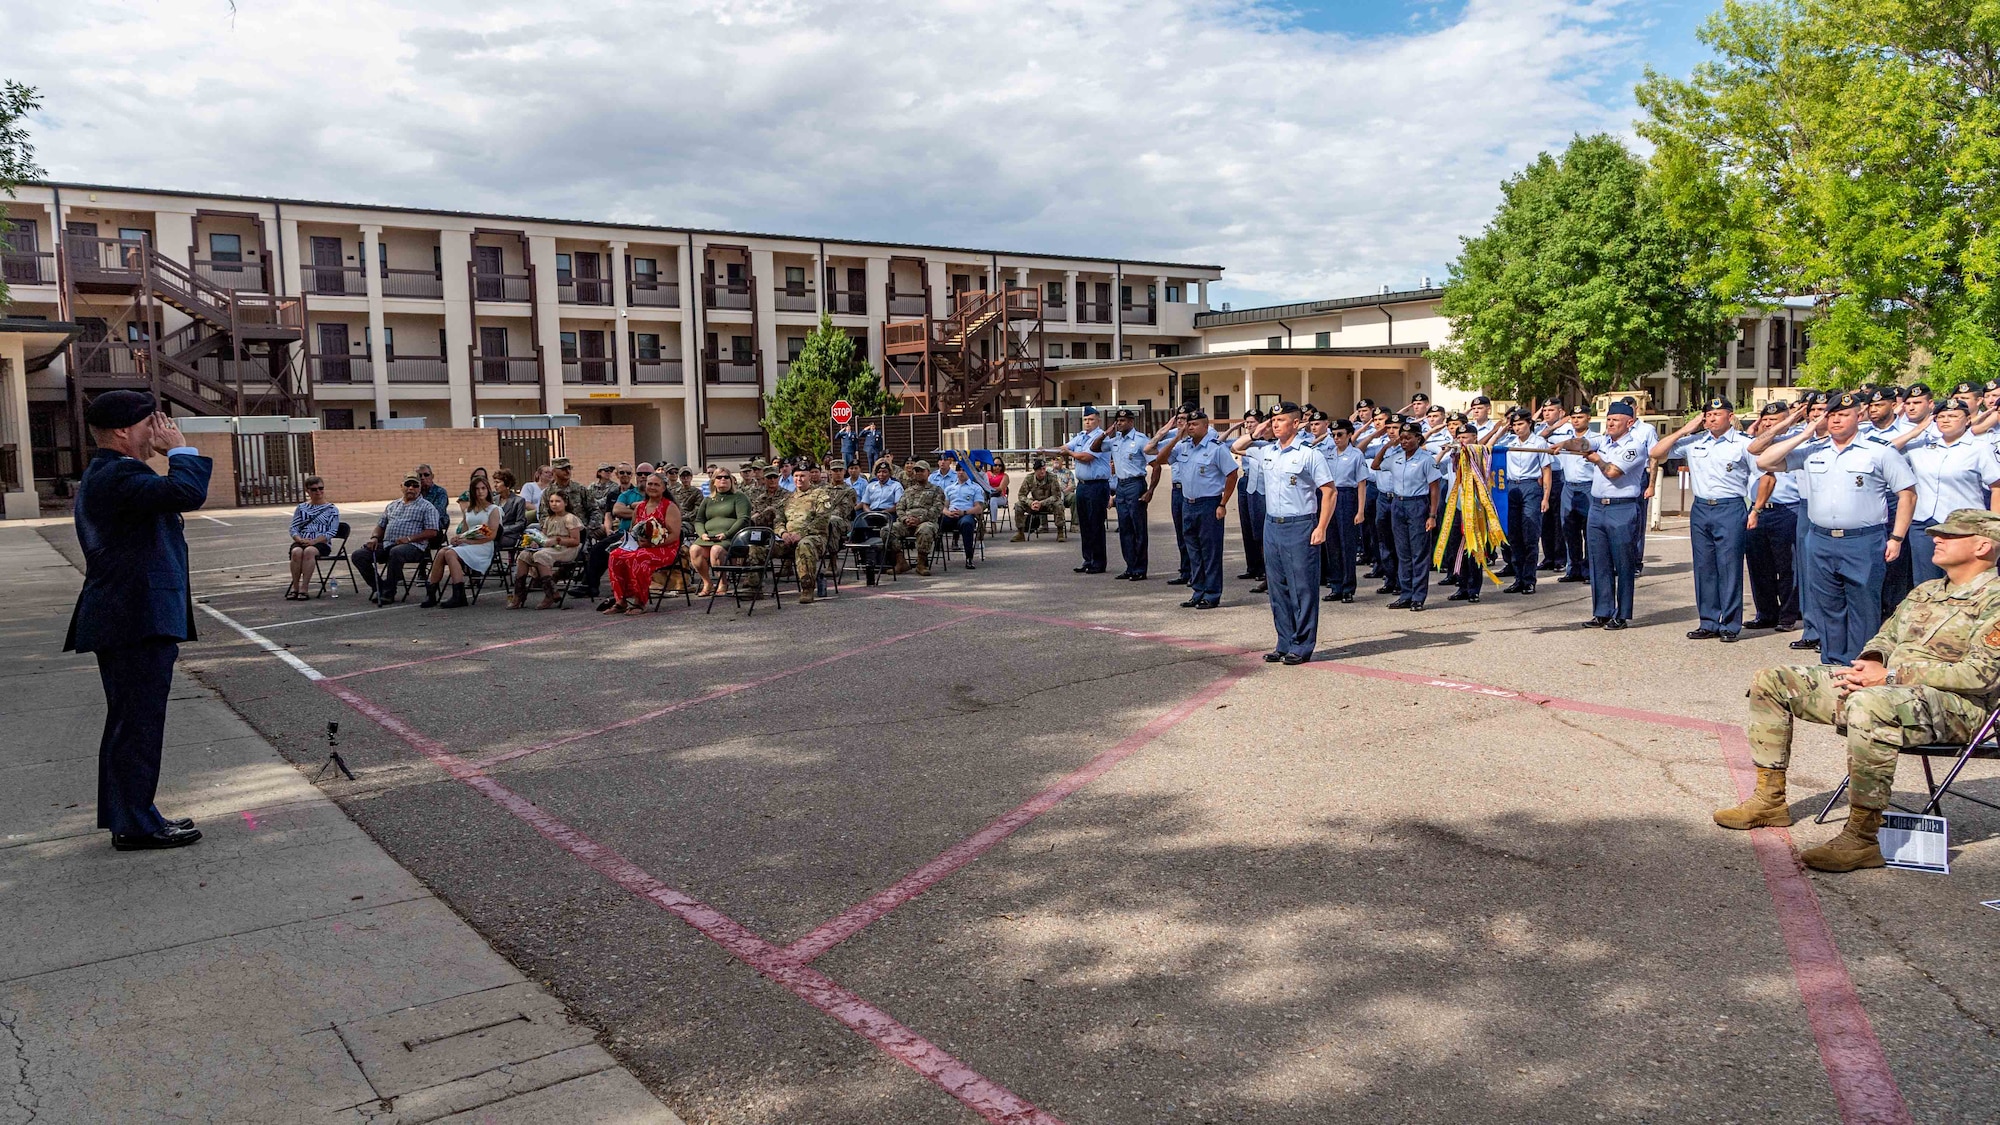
1766	808
1019	537
1061	536
1853	849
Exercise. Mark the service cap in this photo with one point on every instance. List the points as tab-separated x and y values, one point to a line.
1969	521
115	410
1089	410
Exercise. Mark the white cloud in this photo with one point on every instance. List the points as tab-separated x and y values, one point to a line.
1307	163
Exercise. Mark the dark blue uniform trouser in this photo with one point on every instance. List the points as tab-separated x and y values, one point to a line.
1899	577
1132	523
1368	551
1386	556
1773	586
1342	536
136	680
1802	577
962	526
1919	550
1201	529
1575	523
1554	555
1180	534
1613	563
1093	502
1524	528
1250	510
1292	569
1846	582
1716	527
1413	558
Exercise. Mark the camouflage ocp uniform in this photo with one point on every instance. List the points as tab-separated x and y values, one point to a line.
766	510
687	496
807	514
577	495
1045	488
925	502
1943	644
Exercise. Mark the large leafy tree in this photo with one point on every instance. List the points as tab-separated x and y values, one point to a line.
1578	285
17	156
798	412
1848	150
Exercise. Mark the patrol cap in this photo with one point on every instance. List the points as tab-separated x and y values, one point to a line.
560	463
410	480
771	472
1285	406
605	466
1845	400
115	410
837	463
1775	406
920	466
1717	403
1953	404
1481	400
1969	521
1620	407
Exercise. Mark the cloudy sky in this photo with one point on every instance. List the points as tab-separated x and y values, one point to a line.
1314	149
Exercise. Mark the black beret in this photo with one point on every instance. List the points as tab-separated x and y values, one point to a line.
115	410
1965	389
1285	406
1481	400
1846	400
1718	403
1775	406
1954	404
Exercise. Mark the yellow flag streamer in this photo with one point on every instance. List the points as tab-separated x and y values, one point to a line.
1472	505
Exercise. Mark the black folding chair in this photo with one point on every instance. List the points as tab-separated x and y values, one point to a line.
661	587
1985	744
326	568
863	552
734	572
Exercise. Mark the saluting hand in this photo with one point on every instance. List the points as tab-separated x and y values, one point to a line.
166	433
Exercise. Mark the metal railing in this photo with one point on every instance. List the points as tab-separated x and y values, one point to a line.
506	369
583	291
904	304
1093	312
1137	314
333	281
418	369
796	298
727	294
104	261
28	267
596	371
852	302
514	287
418	283
653	294
734	443
656	370
733	369
339	369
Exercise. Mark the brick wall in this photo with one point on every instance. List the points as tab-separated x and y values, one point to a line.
590	446
369	465
219	448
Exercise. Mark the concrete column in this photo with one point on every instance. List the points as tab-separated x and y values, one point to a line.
878	277
173	233
14	427
1118	314
378	341
547	315
820	295
764	291
1160	289
1249	385
691	341
1116	398
621	340
940	279
1021	277
1069	288
1201	287
455	249
288	238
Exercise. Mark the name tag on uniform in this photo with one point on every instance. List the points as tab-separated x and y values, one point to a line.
1819	464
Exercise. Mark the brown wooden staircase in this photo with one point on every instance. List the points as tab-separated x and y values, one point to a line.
938	366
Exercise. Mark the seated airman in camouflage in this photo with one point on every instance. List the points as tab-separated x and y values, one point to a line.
916	516
766	506
845	498
1040	496
802	527
1930	676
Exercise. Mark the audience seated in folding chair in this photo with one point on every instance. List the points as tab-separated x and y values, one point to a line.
468	548
399	541
313	526
964	505
652	540
724	513
515	514
880	496
614	519
552	543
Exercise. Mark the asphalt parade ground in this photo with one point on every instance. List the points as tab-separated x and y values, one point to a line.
1025	845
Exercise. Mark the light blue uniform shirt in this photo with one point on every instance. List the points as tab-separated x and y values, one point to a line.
1629	455
1950	477
1718	467
963	495
1439	445
1408	476
943	480
881	495
1368	452
1348	466
1293	475
1843	488
1786	491
789	484
1524	466
1253	466
1202	467
1098	467
1127	453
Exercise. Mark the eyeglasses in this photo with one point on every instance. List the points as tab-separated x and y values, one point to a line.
315	488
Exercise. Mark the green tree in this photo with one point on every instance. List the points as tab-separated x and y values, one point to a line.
798	413
1578	285
17	156
1848	150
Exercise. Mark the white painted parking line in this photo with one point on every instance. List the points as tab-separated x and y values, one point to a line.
263	642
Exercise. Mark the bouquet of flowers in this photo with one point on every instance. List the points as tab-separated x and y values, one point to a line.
649	533
533	538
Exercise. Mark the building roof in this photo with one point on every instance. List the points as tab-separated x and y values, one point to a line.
276	200
1313	308
1238	355
55	335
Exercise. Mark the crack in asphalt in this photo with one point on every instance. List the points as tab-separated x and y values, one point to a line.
1909	959
1664	765
24	1094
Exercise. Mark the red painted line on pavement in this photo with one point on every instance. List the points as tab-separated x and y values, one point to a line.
718	693
865	913
982	1095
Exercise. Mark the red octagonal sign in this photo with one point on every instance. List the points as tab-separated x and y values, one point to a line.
842	413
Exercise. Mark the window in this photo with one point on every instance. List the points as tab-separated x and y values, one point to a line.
1322	339
1191	390
1124	351
1161	351
1103	351
960	282
1274	342
1052	293
437	260
563	272
135	234
794	345
382	256
1173	294
388	341
1152	294
733	273
1125	296
795	278
568	346
337	419
442	349
1221	407
645	270
225	247
1055	351
646	345
740	349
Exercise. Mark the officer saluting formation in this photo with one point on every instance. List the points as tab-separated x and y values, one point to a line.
1619	457
1206	474
1250	498
1299	499
1930	675
1133	491
1720	467
1093	489
1410	484
1849	536
135	607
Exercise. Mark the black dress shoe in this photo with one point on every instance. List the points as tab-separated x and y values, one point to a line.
1331	598
1400	603
1192	603
1261	587
1786	626
1079	570
1390	590
1574	578
184	823
1702	634
1528	589
1177	581
1804	645
1135	578
1347	598
1512	588
1208	605
1552	566
1616	623
1293	659
1727	638
1462	596
1597	623
1247	576
1416	607
169	837
1760	623
1120	577
1448	580
1274	657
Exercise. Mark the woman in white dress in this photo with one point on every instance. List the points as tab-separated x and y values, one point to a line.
470	548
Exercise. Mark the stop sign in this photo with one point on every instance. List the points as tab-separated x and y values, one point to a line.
842	413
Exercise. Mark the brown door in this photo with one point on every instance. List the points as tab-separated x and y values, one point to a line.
857	290
334	366
487	266
20	264
493	354
590	356
92	355
328	277
589	284
82	250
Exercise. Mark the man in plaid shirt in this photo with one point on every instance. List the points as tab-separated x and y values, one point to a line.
399	539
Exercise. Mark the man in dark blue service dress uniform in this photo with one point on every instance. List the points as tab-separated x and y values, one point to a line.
135	608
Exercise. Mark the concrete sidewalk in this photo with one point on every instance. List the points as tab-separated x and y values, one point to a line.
285	969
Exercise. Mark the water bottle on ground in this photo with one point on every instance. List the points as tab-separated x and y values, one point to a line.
333	588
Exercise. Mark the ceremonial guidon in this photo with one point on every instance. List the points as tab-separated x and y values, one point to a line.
1720	466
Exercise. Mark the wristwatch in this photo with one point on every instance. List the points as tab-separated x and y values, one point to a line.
1889	678
1894	538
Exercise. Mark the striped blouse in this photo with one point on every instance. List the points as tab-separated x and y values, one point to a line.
315	521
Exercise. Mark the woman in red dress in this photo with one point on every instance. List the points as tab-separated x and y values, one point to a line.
654	542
